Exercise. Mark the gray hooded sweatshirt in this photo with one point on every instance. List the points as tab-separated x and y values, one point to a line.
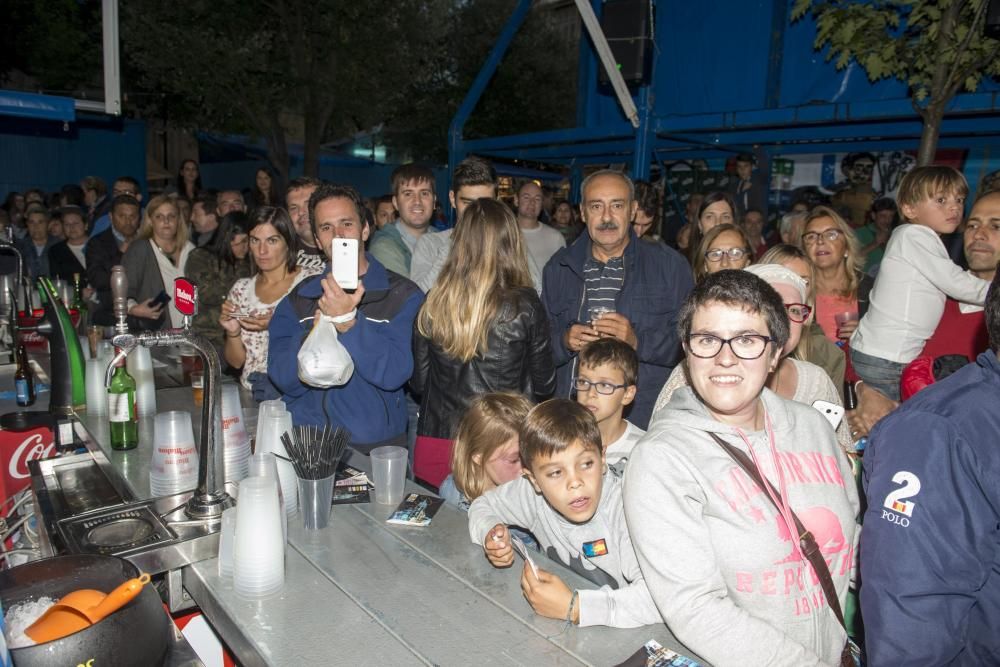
719	561
622	601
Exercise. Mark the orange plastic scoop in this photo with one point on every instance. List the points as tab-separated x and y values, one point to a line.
81	609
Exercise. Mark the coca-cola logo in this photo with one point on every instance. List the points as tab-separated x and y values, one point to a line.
185	296
33	447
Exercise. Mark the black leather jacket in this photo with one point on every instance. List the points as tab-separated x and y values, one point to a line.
518	358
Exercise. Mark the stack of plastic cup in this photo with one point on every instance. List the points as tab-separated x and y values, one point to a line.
264	409
97	393
140	367
173	467
271	425
250	424
264	465
258	550
227	538
236	449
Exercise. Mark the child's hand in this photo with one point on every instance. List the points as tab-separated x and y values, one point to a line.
497	546
547	594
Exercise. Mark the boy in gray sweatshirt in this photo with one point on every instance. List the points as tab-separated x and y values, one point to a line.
573	506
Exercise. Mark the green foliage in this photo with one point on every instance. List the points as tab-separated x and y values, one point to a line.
54	42
936	47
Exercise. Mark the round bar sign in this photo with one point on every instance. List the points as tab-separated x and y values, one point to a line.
185	296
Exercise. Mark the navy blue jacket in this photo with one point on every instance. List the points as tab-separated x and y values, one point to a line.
371	405
930	546
657	280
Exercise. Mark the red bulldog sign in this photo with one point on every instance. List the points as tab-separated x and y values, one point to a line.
185	296
16	449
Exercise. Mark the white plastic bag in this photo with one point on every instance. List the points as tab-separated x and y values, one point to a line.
323	360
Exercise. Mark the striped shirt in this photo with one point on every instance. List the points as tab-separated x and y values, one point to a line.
604	282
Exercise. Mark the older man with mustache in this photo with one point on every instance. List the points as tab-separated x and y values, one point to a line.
607	284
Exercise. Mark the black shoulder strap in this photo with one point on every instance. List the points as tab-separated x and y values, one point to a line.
806	539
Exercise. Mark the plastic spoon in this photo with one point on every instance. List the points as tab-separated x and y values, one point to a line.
81	609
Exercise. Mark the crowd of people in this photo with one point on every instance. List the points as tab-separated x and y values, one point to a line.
684	425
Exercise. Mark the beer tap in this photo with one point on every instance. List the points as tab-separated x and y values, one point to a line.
210	497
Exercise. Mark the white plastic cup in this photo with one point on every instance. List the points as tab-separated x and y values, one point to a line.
265	465
259	551
227	538
173	467
97	393
270	427
388	474
140	367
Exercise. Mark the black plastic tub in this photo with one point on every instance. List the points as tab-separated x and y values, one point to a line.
136	634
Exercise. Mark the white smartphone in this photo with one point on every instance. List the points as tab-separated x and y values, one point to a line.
833	412
344	262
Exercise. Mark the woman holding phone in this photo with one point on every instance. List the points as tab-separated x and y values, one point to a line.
153	261
251	302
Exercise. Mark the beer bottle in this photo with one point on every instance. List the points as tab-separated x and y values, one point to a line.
24	379
121	408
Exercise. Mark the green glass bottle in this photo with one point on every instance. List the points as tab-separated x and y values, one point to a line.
121	408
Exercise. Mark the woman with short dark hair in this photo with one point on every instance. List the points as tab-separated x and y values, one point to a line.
720	552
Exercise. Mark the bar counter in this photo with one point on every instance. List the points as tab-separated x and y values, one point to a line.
362	589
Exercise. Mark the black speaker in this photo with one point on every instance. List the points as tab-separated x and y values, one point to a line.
992	28
628	27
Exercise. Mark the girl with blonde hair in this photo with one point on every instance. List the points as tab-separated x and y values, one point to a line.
486	452
481	329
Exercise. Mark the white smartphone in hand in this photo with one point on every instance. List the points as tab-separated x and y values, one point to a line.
833	412
344	262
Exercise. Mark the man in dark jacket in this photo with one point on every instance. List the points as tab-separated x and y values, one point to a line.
930	555
374	324
609	284
106	250
68	258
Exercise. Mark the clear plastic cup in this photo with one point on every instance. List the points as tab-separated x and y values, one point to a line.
140	367
258	551
227	538
265	465
271	425
236	448
316	500
97	393
388	474
173	467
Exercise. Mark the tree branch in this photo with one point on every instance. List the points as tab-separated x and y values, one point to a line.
957	73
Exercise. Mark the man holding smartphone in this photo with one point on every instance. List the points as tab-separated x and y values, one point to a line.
374	324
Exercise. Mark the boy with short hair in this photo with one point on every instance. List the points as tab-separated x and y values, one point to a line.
605	384
914	279
574	509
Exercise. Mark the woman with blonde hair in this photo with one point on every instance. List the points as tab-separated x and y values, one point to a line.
481	329
841	288
486	452
153	260
724	246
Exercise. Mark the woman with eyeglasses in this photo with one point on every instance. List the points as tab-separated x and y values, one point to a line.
482	329
725	246
793	378
721	555
841	288
153	261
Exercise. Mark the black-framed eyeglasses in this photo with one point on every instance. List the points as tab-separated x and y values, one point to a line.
604	388
744	346
798	312
735	254
829	235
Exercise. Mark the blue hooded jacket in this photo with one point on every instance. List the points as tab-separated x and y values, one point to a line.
930	546
371	405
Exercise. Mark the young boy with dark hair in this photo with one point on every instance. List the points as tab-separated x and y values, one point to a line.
607	370
574	509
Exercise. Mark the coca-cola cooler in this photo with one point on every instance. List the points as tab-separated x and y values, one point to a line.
16	449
